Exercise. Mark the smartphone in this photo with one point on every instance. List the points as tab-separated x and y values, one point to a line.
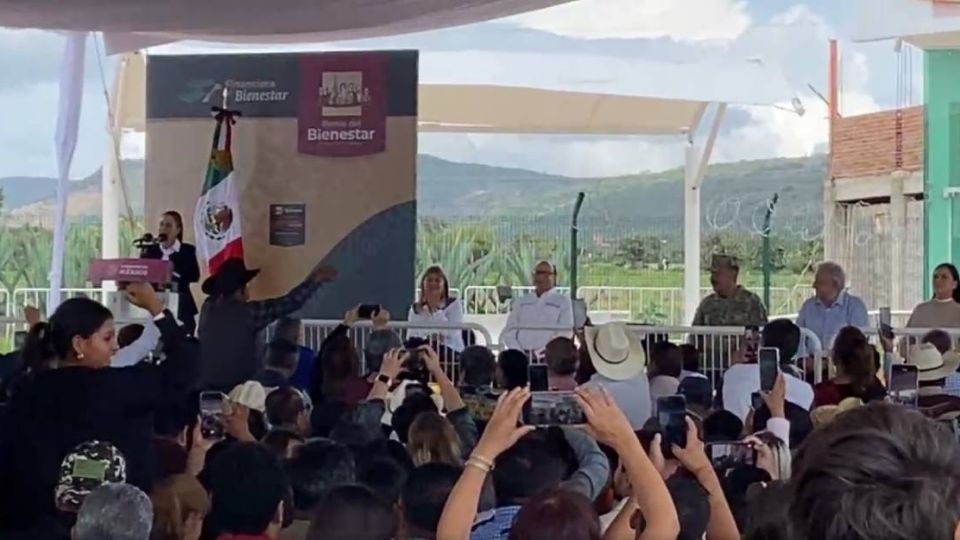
537	377
886	323
756	401
213	410
904	384
672	415
553	409
731	453
768	359
19	340
579	314
368	311
751	341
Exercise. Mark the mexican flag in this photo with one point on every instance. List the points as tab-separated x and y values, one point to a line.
216	220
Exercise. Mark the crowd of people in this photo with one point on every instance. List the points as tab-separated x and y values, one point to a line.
149	433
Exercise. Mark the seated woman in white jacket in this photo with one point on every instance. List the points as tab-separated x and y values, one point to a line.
436	306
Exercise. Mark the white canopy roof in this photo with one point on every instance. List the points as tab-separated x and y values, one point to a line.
571	94
135	24
924	23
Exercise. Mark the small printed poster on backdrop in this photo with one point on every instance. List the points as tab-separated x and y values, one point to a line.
343	104
288	225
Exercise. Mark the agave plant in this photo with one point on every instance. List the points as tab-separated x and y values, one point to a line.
457	251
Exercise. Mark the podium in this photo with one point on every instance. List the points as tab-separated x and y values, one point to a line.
122	271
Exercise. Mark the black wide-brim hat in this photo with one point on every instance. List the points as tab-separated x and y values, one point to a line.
230	278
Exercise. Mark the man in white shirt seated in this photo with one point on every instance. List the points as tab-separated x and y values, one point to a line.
545	307
832	307
620	361
742	380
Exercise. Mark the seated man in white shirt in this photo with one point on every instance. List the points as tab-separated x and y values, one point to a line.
742	380
545	307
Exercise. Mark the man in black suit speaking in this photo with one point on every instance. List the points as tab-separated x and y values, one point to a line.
186	269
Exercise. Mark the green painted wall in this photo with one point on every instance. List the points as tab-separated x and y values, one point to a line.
941	159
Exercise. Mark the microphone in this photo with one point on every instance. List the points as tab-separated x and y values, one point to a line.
146	240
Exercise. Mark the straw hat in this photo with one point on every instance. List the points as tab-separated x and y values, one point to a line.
931	365
616	352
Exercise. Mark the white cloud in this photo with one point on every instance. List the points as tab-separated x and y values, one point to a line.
681	20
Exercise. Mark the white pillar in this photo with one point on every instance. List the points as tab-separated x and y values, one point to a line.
691	233
110	202
898	229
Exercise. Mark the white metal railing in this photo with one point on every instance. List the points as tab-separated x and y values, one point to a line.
37	297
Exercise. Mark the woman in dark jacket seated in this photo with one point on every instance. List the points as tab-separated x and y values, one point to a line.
71	395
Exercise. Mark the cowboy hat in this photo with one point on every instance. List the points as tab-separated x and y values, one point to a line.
616	352
230	278
931	365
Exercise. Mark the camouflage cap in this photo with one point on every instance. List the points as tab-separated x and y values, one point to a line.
724	262
89	466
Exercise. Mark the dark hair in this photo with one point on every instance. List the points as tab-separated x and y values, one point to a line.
853	355
692	503
766	512
246	485
54	339
178	219
478	365
426	493
128	334
288	329
436	271
384	477
562	356
801	426
666	359
172	417
722	425
257	422
278	440
939	339
956	277
560	514
282	354
585	370
338	363
526	469
691	357
352	513
378	344
513	367
316	467
283	406
406	413
784	335
879	471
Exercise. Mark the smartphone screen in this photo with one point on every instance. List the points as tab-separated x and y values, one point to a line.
756	401
213	409
19	340
886	323
368	311
768	359
539	382
579	314
904	384
672	414
553	409
731	453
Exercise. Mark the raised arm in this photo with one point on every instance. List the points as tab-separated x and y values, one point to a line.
607	423
501	433
264	312
722	525
138	350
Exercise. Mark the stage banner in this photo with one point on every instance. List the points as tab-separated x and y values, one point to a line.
342	104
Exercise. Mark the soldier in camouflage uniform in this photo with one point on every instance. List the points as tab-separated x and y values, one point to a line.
729	305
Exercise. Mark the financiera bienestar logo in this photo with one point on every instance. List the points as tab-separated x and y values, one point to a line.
343	94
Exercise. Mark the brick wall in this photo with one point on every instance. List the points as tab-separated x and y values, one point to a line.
865	145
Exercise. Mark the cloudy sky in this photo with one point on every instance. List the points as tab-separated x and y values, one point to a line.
785	35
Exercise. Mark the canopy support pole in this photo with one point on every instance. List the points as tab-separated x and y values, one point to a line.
695	167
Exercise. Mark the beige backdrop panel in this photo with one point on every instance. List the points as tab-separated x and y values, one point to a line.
340	193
